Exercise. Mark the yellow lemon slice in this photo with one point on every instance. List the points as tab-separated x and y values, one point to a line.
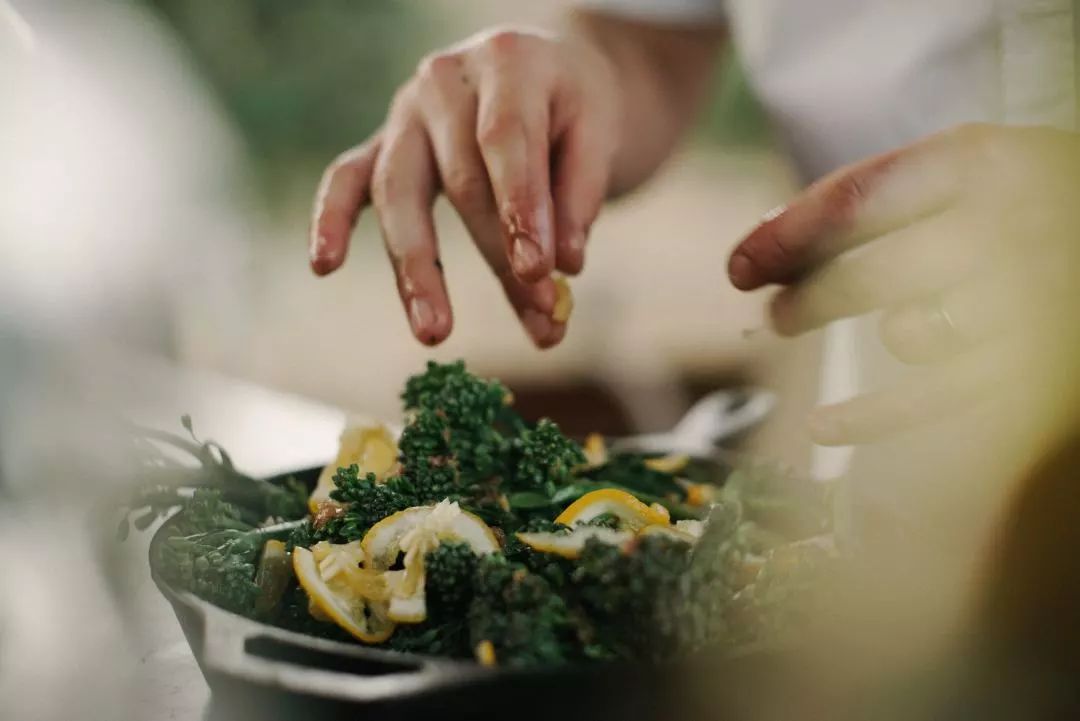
485	654
338	599
564	301
595	450
570	545
405	608
691	527
667	464
443	521
634	514
372	448
272	576
669	532
415	532
700	494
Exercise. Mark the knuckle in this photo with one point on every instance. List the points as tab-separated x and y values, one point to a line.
495	127
402	102
385	187
845	198
506	41
466	187
439	66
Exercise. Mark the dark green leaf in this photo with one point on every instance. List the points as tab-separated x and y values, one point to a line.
529	500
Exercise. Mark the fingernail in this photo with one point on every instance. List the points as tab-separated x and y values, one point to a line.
421	316
526	256
320	263
741	271
577	242
537	324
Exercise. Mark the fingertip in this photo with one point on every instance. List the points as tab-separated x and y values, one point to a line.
431	322
326	249
529	261
322	266
544	332
571	253
742	271
555	337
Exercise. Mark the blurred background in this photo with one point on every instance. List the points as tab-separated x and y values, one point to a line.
159	160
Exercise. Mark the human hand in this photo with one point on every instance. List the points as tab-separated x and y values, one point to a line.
969	241
518	130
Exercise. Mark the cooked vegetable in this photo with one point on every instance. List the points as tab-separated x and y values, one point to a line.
495	539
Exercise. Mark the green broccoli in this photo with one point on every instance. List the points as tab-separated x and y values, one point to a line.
463	398
367	503
449	570
543	459
655	597
632	595
553	569
213	552
527	622
456	414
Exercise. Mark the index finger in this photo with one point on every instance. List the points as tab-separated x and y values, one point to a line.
344	190
848	207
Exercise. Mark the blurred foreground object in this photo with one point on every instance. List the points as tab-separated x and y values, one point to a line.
119	181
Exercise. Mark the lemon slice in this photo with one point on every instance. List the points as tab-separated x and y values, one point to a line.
668	464
272	576
370	447
339	600
415	532
570	545
443	521
595	450
485	654
634	514
691	527
405	609
564	301
700	494
668	532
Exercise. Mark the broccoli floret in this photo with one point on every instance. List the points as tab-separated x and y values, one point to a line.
449	570
795	584
523	617
427	435
429	480
218	566
213	552
304	536
543	458
368	502
444	639
456	414
464	399
552	568
633	596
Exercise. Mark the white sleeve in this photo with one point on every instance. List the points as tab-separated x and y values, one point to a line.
666	11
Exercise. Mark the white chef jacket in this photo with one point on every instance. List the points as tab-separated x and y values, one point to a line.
845	79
